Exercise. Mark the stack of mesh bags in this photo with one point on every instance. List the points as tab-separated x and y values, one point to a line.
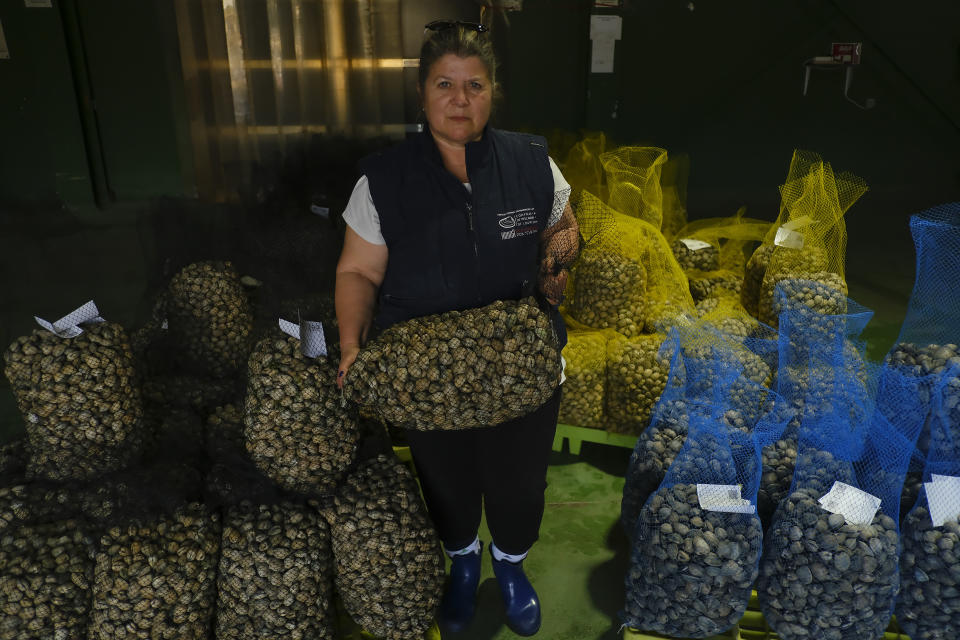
459	369
928	607
584	389
626	280
706	367
814	338
194	347
275	569
297	429
80	401
830	564
925	361
807	243
46	560
155	561
697	540
389	567
712	254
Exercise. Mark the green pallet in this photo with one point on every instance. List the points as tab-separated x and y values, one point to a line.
578	435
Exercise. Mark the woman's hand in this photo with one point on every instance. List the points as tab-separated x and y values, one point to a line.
553	280
348	354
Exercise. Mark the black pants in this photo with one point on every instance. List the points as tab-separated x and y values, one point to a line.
502	467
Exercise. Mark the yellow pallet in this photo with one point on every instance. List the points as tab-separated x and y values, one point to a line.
753	626
636	634
576	436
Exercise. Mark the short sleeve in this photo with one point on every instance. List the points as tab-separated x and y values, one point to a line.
561	194
360	214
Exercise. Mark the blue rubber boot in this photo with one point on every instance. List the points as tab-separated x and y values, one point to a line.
520	600
459	600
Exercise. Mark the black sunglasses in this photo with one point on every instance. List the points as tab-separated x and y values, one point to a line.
441	25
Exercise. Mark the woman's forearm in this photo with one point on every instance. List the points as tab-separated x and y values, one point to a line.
355	299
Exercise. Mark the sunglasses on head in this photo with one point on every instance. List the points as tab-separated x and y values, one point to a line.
441	25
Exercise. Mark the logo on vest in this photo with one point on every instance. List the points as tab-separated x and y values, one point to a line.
519	223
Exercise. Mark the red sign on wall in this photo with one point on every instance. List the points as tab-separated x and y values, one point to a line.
847	52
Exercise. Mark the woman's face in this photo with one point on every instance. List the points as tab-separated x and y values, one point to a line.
456	98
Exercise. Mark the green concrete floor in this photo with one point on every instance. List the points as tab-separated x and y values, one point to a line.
579	563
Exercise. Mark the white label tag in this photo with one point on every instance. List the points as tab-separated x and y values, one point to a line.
723	497
165	324
66	327
310	334
856	506
943	499
695	245
788	238
323	212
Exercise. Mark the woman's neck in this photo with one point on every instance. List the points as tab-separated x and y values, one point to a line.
454	157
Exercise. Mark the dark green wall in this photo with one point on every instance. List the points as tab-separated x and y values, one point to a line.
723	82
91	96
42	154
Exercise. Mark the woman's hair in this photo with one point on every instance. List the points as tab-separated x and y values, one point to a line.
461	41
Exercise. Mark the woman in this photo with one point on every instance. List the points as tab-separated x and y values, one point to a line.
455	218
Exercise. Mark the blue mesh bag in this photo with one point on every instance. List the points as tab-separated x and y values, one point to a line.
698	539
706	366
830	563
929	604
927	345
818	345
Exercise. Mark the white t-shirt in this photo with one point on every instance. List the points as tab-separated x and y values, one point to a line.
362	216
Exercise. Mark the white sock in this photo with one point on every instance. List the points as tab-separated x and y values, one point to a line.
473	547
500	556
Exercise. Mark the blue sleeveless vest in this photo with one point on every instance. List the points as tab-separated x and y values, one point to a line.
448	249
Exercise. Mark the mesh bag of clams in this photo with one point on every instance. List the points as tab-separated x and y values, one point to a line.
459	369
209	318
705	369
80	400
155	563
927	345
711	252
809	236
275	569
389	564
636	376
586	371
626	278
928	607
698	539
46	559
296	425
830	565
818	348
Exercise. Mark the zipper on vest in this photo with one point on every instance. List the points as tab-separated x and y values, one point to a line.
476	251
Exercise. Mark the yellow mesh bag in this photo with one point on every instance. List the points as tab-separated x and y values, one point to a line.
810	235
728	316
582	167
626	277
636	377
712	253
674	175
633	182
586	372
